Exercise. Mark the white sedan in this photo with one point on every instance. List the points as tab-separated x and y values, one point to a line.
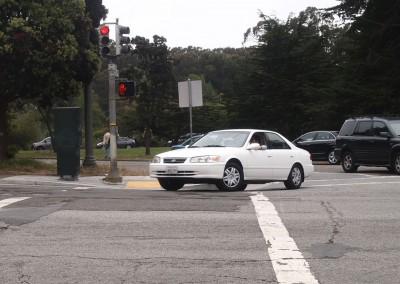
231	159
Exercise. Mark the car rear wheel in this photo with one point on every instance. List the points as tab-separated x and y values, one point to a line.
232	179
348	163
295	178
331	158
170	184
396	163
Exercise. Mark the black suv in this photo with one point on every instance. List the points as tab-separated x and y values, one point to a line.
369	141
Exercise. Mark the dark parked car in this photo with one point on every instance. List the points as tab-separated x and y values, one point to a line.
369	141
320	144
44	144
122	142
187	142
181	139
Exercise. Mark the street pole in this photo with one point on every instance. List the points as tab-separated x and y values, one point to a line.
190	109
113	175
90	160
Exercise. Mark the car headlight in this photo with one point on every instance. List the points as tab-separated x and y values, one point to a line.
156	160
205	159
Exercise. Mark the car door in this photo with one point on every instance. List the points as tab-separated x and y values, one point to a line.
280	156
256	163
381	148
323	144
364	141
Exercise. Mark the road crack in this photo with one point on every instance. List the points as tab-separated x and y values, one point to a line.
336	218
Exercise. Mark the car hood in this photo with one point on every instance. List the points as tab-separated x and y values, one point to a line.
195	152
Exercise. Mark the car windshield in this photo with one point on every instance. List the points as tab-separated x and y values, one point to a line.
395	126
223	139
191	141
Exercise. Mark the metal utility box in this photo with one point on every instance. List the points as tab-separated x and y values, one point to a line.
67	141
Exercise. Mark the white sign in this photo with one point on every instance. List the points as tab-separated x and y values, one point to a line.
195	92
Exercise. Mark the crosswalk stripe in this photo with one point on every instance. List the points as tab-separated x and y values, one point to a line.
288	262
8	201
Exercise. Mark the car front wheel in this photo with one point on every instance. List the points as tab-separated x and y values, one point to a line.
170	184
396	163
295	178
348	163
331	158
232	179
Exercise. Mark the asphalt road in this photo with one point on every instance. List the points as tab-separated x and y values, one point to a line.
338	228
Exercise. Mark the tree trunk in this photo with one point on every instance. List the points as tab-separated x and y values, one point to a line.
3	131
147	139
90	160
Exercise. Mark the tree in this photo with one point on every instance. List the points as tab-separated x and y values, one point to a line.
371	65
290	87
39	53
155	84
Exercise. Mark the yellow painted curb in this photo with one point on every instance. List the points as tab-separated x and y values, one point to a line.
142	184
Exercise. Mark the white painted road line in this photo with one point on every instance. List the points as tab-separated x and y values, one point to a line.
288	262
355	183
8	201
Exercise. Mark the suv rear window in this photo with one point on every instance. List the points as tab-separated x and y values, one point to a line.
347	128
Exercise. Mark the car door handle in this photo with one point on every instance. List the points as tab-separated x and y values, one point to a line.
269	156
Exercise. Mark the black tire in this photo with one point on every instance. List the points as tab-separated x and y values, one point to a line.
232	179
396	163
348	163
331	158
170	184
295	178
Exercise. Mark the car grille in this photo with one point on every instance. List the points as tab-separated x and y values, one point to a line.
174	160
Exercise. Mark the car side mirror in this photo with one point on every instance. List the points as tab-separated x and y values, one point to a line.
385	134
254	146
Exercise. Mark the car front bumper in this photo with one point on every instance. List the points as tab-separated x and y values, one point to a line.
187	170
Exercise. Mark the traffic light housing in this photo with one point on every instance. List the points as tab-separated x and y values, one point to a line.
126	88
104	40
122	43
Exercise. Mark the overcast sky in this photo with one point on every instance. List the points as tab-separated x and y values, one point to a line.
201	23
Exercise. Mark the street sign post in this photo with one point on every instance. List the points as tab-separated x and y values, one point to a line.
190	95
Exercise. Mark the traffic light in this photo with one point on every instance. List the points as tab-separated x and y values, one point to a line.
122	43
104	40
126	88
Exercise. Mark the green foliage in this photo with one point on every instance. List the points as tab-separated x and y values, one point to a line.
25	128
289	88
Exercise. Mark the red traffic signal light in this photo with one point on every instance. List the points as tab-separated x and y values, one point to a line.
104	40
126	88
122	88
104	30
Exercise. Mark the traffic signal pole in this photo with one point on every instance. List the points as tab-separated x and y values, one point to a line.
113	175
122	47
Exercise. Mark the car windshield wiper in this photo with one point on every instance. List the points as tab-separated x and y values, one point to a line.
214	146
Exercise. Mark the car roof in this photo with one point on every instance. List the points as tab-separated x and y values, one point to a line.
375	117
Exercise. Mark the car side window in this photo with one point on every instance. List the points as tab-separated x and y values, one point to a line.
258	138
307	137
324	136
276	142
379	127
364	128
